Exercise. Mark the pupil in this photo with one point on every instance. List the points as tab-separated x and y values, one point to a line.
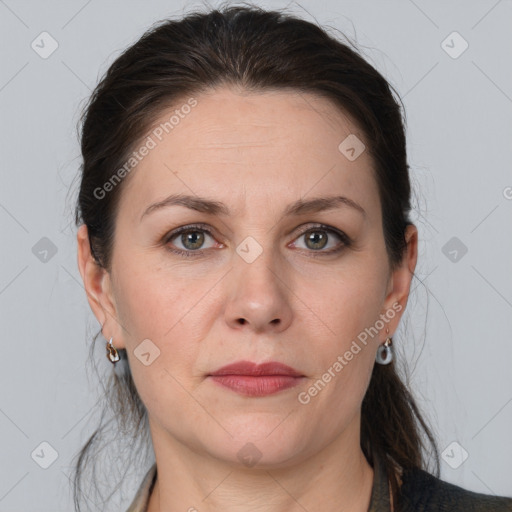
317	237
194	237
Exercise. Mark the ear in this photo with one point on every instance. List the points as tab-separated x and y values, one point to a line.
98	287
400	279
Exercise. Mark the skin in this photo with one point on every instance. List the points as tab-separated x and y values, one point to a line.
256	152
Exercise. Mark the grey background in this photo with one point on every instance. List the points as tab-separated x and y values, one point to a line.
459	142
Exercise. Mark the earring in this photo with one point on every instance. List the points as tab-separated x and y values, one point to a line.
385	351
112	353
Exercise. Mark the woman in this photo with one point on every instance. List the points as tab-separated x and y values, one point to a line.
245	244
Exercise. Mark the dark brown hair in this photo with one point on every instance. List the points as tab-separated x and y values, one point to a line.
256	50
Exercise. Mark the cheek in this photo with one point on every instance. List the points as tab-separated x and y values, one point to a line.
150	303
344	304
346	309
150	309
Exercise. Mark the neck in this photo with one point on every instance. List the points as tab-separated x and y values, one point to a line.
338	478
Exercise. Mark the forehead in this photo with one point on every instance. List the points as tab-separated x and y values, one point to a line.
257	145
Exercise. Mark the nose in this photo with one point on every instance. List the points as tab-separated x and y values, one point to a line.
258	295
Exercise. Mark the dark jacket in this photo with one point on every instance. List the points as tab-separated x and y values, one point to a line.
422	492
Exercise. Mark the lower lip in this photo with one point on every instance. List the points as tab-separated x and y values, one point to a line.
256	385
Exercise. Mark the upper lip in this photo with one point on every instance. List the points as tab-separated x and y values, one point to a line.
254	369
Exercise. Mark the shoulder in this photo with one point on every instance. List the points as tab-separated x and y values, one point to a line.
423	492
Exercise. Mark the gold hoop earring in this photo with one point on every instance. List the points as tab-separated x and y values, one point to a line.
112	353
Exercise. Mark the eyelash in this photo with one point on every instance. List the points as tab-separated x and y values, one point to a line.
345	240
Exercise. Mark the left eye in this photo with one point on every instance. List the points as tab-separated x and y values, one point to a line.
317	239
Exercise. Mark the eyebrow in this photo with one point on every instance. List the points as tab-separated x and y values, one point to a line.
212	207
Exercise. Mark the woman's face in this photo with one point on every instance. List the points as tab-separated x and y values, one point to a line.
259	280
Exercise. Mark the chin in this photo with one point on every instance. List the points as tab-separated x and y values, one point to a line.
258	445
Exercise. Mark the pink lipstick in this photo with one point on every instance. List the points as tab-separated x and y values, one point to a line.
251	379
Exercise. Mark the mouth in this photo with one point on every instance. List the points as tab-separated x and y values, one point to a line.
251	379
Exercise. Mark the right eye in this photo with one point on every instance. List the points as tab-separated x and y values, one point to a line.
191	238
